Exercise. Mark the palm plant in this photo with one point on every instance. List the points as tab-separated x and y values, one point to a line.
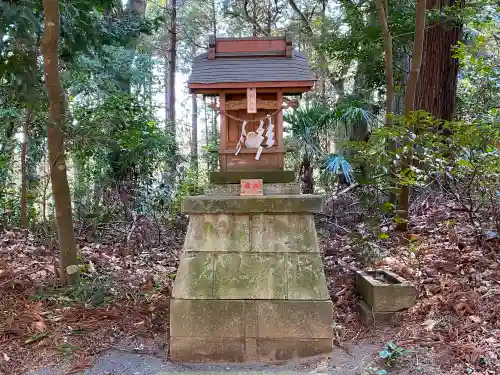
354	121
308	125
313	124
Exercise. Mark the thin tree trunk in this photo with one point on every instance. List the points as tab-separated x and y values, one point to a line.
321	56
194	134
172	66
68	263
389	76
214	122
254	19
404	64
24	177
194	128
409	106
416	61
214	19
206	120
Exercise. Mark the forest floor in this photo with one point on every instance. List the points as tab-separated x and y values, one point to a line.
122	301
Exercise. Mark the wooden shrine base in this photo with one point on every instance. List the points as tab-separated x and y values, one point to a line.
268	176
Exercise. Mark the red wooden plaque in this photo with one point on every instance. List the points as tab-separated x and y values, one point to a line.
251	100
251	187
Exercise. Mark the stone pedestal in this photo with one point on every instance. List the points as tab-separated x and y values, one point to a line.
250	285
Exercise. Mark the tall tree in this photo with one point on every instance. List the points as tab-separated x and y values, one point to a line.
194	128
409	106
68	265
437	86
24	174
170	65
382	10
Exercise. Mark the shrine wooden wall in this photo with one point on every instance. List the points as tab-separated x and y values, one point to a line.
235	104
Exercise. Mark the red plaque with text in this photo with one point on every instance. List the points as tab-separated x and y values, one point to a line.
251	187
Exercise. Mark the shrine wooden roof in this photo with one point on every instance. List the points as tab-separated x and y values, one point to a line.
251	62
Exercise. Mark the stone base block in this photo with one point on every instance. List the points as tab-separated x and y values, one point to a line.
273	319
269	189
369	317
281	350
201	349
277	204
249	275
249	330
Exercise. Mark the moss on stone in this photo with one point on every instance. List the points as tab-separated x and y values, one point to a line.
249	276
283	233
306	277
218	232
257	204
194	276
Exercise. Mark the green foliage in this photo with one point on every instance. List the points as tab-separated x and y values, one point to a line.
393	353
91	291
461	159
189	186
117	141
478	91
308	126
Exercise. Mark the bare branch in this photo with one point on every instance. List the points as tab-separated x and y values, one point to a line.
296	9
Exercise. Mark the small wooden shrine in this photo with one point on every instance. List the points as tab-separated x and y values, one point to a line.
250	286
251	77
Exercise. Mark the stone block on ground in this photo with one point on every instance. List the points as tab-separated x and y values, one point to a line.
207	318
369	317
385	292
270	350
201	349
295	319
250	285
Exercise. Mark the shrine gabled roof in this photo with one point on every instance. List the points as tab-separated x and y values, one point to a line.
250	69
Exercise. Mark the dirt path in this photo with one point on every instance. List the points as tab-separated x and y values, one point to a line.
359	361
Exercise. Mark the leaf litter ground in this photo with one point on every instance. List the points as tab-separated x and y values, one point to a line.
122	301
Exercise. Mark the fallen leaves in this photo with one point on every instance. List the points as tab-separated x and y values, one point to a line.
39	325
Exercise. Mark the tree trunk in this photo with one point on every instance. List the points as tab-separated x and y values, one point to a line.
214	121
323	64
409	106
389	76
194	128
68	263
214	19
172	66
254	18
437	85
307	176
24	177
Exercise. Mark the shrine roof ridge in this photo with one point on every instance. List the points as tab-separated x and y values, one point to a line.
268	67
